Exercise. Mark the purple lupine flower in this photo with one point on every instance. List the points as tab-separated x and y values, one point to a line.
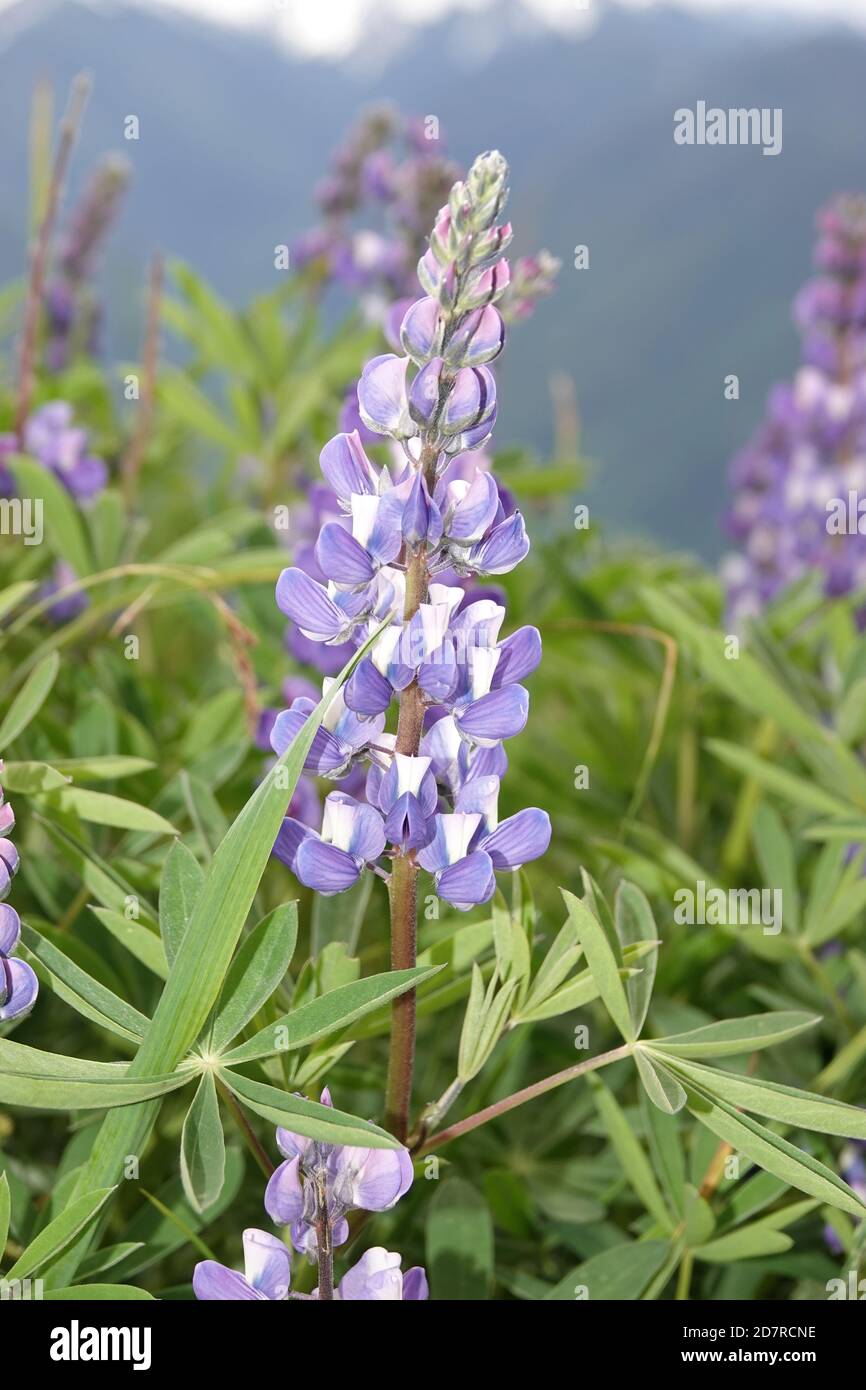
378	1275
266	1276
73	312
345	1178
793	480
51	437
437	510
18	984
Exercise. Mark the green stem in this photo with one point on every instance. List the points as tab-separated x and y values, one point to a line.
251	1139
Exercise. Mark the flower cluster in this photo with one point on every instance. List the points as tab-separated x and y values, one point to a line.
793	481
400	550
311	1193
72	309
18	984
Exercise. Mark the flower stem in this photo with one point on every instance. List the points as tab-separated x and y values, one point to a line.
538	1088
324	1243
404	892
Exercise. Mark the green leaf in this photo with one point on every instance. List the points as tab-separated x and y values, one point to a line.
104	768
182	879
258	968
666	1151
699	1220
619	1274
787	1104
799	791
793	1165
329	1014
59	1232
307	1116
460	1243
139	940
92	1293
30	699
737	1035
64	529
50	1081
30	777
107	1257
5	1212
744	1244
81	991
102	809
203	1148
663	1089
602	963
633	1160
775	853
634	924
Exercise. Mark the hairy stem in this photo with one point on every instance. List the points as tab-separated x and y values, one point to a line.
404	893
538	1088
324	1242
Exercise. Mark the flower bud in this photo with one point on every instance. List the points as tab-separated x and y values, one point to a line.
422	329
480	338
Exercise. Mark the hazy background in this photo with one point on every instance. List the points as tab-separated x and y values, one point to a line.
695	253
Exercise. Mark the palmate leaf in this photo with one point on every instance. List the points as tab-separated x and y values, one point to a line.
602	962
787	1104
139	940
258	968
634	923
663	1089
633	1160
203	1148
40	1080
100	808
78	989
180	886
59	1232
793	1165
306	1117
204	955
737	1035
330	1013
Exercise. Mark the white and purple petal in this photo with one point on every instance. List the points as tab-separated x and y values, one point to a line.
519	839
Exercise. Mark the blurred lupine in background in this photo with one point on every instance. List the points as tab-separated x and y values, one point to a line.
18	984
72	304
792	481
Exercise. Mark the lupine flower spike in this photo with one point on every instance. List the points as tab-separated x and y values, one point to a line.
18	984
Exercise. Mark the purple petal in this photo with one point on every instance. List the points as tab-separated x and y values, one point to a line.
340	556
382	396
308	605
518	839
504	548
415	1284
468	882
475	512
212	1282
470	401
421	330
326	753
424	393
373	1179
407	825
519	655
8	866
325	868
20	986
368	692
480	338
284	1194
498	715
267	1264
376	1276
346	467
289	840
10	929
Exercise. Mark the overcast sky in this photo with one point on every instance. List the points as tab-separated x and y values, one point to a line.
333	26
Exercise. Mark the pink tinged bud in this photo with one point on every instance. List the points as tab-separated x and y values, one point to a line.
422	329
489	245
487	287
